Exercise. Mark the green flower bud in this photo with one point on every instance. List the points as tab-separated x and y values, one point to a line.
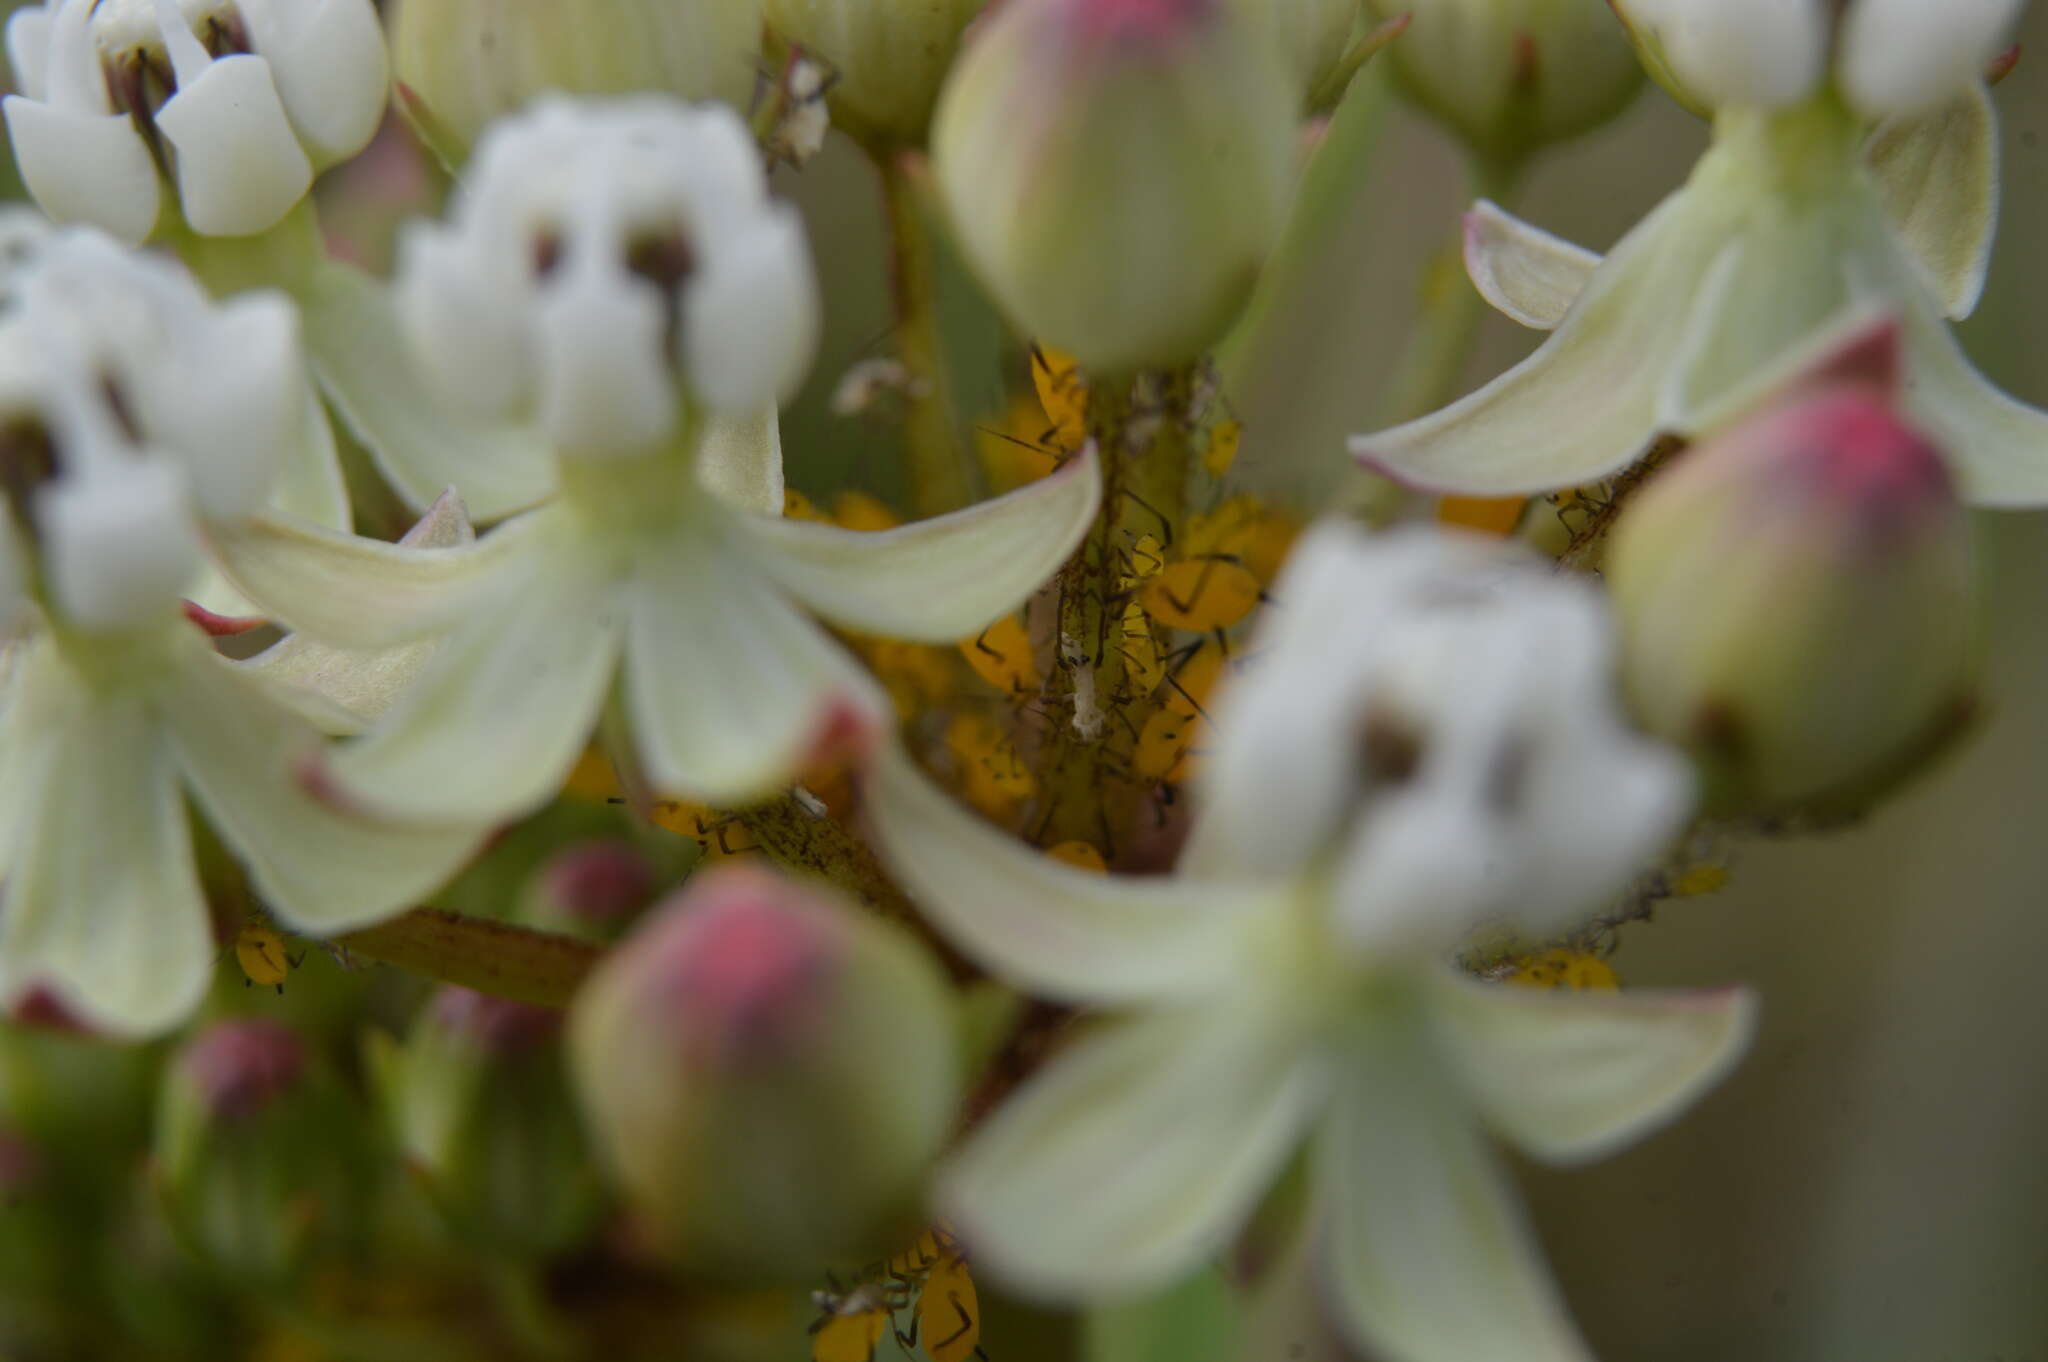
461	63
889	56
256	1156
769	1073
1117	170
1797	603
1312	35
479	1101
1510	77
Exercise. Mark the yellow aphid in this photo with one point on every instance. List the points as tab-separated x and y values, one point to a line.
1012	452
1695	880
797	506
1221	452
1001	656
1243	528
1063	392
593	779
1488	515
949	1312
993	777
852	1325
1142	661
1201	594
1146	559
722	836
1163	744
917	676
859	511
1560	968
911	1265
260	951
1081	855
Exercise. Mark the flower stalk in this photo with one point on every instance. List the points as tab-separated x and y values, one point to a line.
937	461
498	958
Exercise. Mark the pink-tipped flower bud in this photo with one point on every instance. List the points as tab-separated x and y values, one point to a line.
478	1099
1798	599
257	1152
769	1072
1117	170
594	889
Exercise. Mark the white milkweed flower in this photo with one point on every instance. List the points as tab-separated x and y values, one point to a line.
1429	742
1795	218
240	102
616	276
136	411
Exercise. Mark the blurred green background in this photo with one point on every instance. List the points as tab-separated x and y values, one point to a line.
1872	1186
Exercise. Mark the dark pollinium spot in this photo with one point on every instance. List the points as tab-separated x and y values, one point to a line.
547	254
664	260
27	460
1390	751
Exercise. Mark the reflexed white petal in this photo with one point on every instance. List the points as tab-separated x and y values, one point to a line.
83	167
240	169
940	579
1765	53
494	726
420	441
1585	403
1527	274
28	50
604	385
730	690
103	901
339	689
310	483
750	318
1573	1076
1938	173
1045	925
739	459
319	869
1430	1259
365	593
119	545
1998	446
328	59
1135	1154
1910	56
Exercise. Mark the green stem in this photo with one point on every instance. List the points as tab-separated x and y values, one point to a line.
940	479
490	957
530	1318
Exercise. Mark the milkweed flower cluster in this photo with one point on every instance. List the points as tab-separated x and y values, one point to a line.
1061	895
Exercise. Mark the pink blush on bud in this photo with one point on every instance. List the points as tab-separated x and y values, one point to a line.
749	962
242	1066
1136	20
1849	449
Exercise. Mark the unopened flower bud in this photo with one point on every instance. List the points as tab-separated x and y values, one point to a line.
478	1097
1312	35
1511	78
1117	170
254	1156
889	57
241	101
593	889
462	63
1797	600
769	1073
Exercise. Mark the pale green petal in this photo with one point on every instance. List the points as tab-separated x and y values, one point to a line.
1938	175
1430	1258
318	869
103	901
355	592
941	579
496	723
1526	273
420	441
341	689
1997	445
1585	404
1572	1076
739	459
730	689
1048	926
1135	1154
